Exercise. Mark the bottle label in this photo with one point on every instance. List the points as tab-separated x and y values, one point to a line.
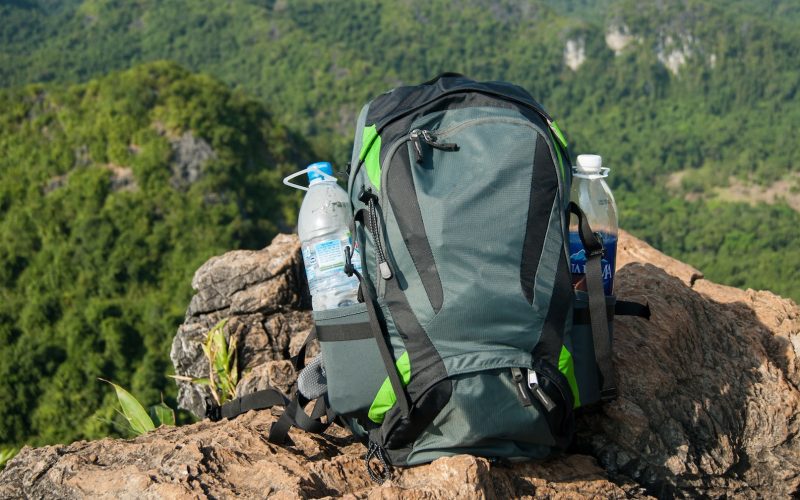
325	260
577	262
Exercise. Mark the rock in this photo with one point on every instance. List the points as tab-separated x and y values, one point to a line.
708	388
260	294
707	406
233	458
189	156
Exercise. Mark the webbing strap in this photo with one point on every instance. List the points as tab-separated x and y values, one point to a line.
593	246
388	360
377	332
620	308
258	400
630	308
293	414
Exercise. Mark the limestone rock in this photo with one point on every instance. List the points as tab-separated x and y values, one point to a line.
261	295
708	388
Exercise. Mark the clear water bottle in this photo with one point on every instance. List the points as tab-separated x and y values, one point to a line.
324	230
591	193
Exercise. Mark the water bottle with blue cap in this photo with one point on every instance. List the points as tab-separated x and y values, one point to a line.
324	231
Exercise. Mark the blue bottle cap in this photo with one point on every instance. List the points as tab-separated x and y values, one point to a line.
324	166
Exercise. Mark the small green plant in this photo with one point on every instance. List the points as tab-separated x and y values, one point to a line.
223	366
7	454
140	421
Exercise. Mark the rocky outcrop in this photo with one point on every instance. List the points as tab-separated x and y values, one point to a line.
227	459
708	404
708	389
189	156
260	294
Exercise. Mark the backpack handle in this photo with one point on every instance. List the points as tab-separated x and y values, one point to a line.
446	74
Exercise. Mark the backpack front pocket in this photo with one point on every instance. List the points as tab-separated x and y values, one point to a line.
353	365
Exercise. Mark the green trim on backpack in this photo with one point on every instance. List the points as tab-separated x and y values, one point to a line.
371	155
566	365
558	153
386	398
559	133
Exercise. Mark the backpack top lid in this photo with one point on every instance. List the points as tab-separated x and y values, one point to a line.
403	101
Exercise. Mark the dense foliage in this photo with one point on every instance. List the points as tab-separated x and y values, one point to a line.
90	271
99	237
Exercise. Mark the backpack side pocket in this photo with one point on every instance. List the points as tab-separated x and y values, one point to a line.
353	366
578	362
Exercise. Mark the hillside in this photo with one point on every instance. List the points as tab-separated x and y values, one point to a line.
116	183
703	89
111	194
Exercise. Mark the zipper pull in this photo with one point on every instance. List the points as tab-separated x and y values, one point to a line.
533	383
430	140
368	197
414	136
522	388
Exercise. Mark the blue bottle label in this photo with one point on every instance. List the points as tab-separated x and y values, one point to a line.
577	262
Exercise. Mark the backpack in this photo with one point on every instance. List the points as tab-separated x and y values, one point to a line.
470	337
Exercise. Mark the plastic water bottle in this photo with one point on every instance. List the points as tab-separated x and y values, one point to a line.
324	230
591	193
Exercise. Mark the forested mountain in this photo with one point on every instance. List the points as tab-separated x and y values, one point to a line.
693	104
112	193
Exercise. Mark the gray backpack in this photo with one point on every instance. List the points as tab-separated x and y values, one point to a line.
470	338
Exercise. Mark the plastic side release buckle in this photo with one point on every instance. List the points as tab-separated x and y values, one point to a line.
213	411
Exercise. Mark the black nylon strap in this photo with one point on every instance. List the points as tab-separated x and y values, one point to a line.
630	308
582	316
349	331
279	431
388	361
295	415
299	359
258	400
597	304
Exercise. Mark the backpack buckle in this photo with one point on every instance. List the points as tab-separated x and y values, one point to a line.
213	411
595	246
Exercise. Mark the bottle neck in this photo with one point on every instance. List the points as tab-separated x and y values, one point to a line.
601	173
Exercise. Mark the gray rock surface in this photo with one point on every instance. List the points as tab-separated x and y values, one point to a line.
189	155
260	294
233	459
708	388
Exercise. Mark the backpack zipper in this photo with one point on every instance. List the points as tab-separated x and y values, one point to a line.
533	384
523	393
418	136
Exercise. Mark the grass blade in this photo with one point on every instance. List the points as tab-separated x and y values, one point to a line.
7	454
162	415
133	411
